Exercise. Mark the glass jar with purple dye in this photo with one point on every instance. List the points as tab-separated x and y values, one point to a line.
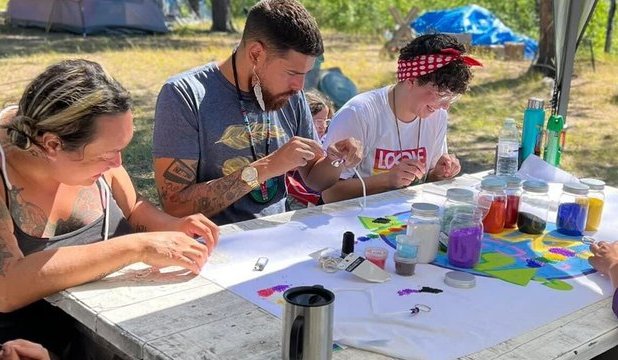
573	209
464	239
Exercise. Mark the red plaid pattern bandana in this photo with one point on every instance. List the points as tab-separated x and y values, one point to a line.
425	64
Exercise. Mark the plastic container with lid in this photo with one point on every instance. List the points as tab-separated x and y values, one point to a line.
424	228
492	200
573	209
533	207
513	194
465	240
457	200
596	200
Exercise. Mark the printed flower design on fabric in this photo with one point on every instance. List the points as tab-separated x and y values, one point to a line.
237	138
233	164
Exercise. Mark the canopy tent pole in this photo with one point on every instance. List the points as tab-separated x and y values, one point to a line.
81	14
51	16
570	21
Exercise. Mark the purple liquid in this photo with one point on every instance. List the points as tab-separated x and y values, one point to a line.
572	219
464	247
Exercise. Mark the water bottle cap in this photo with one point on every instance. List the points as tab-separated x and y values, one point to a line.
425	209
594	184
493	184
535	103
536	186
576	188
459	194
509	121
555	123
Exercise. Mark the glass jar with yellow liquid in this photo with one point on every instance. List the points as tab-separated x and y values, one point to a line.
596	200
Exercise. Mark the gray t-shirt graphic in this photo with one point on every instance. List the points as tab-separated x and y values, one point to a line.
198	117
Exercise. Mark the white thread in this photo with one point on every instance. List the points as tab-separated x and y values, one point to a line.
363	204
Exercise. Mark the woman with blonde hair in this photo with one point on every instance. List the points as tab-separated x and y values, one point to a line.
69	213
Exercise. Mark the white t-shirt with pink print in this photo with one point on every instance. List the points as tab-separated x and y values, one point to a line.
369	118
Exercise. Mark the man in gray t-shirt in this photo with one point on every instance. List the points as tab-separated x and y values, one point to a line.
226	133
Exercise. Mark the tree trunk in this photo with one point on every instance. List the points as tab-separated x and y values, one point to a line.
546	60
610	26
222	16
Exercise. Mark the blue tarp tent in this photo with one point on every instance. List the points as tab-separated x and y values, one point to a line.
485	28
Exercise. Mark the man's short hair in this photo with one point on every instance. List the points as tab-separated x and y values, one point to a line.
453	77
284	25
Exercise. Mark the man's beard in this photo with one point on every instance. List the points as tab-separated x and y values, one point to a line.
274	102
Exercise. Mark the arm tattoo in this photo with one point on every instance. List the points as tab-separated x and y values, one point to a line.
30	218
218	194
103	274
177	177
181	172
5	255
210	198
140	228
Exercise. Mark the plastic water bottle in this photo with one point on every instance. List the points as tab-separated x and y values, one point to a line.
508	149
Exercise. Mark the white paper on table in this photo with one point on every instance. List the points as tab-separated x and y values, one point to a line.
462	321
535	168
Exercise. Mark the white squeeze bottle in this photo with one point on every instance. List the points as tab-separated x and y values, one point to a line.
508	149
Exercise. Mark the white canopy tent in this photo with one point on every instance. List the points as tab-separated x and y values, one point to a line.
570	20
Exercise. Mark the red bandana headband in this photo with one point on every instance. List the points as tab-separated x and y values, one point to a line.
425	64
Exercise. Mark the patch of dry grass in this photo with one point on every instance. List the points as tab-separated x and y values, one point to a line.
499	90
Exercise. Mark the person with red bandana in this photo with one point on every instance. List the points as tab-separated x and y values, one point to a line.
403	126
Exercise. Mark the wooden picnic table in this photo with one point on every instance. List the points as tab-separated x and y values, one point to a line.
171	315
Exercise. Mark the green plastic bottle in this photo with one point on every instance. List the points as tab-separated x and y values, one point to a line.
554	141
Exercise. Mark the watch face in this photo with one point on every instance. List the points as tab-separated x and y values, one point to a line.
249	174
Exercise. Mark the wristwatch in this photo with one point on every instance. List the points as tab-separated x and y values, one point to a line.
249	175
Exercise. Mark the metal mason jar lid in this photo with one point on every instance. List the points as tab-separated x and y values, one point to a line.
576	188
536	186
535	103
493	184
594	184
512	182
460	279
459	194
425	209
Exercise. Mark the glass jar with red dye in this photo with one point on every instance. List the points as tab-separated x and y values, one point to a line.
492	200
513	194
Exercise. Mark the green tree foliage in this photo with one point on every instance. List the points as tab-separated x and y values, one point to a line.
372	16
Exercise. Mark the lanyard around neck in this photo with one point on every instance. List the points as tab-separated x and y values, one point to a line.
244	113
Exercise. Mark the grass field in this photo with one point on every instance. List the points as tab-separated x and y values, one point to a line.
500	89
